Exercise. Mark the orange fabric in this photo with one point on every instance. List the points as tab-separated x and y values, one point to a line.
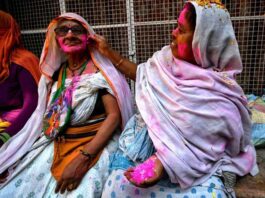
66	149
28	61
11	49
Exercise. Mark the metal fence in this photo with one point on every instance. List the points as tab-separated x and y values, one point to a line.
138	28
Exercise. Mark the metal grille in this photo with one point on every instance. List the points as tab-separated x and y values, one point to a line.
138	28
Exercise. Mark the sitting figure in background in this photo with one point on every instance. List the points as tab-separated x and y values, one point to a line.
80	112
191	136
19	76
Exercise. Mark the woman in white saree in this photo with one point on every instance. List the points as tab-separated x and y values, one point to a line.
64	149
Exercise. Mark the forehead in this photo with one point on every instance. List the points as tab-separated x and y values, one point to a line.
183	19
68	23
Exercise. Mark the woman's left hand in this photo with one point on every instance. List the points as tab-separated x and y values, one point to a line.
100	43
73	174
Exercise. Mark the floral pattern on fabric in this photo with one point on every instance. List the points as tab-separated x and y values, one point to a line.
59	111
117	186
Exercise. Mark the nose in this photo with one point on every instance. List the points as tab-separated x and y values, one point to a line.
69	33
175	33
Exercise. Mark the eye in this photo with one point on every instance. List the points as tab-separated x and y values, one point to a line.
78	30
62	29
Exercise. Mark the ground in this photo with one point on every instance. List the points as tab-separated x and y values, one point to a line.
253	187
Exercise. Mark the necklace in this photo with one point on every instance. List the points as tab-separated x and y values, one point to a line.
75	69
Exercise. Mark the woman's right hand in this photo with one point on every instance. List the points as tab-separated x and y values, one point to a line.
100	43
124	65
73	174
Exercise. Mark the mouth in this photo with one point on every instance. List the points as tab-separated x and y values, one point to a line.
72	42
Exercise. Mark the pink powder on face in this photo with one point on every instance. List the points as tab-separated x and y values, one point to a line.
73	48
143	171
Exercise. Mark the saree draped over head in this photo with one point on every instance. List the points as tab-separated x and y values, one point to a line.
51	59
11	49
196	115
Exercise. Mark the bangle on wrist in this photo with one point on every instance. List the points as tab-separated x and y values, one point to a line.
88	155
119	63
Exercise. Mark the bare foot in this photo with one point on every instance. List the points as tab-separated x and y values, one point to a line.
146	174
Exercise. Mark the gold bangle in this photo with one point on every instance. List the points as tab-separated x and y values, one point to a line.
120	62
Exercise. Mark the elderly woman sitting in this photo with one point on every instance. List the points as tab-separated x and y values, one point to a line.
192	132
85	109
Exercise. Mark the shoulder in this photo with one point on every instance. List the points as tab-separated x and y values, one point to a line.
99	76
14	67
21	53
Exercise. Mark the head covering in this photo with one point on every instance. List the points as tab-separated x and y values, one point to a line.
51	59
196	114
218	47
11	49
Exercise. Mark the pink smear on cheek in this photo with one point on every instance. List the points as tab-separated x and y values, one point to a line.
84	41
182	49
74	48
143	171
64	47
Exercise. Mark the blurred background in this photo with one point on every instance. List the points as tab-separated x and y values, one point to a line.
138	28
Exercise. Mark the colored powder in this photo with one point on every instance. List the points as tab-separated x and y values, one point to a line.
73	48
143	171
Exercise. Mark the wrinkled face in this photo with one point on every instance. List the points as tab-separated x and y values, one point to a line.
71	36
182	36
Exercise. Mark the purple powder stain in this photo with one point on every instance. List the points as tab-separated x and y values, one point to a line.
137	192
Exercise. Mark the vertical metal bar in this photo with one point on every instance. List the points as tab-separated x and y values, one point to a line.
131	36
62	6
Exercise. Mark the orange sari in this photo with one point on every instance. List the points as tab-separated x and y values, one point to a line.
11	49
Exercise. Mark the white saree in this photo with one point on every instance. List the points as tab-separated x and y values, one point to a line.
32	176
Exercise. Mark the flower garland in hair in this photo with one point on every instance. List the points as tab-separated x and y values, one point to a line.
207	3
